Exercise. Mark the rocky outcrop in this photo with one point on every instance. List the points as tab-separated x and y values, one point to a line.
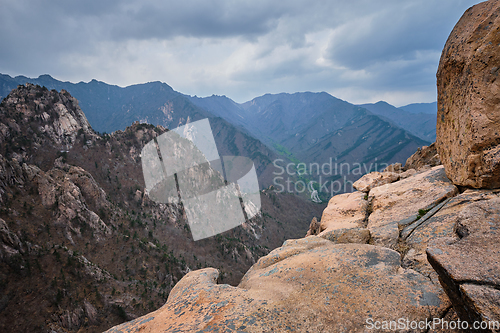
469	263
411	243
468	125
466	256
47	117
422	160
72	193
309	284
12	173
9	242
437	223
320	283
397	205
343	220
426	156
314	227
73	320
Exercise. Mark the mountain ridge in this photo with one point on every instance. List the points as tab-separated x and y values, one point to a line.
229	110
272	127
109	108
420	120
317	128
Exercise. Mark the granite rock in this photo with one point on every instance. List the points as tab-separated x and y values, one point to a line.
468	124
307	285
396	205
469	265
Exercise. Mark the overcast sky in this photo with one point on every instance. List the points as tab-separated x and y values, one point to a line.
357	50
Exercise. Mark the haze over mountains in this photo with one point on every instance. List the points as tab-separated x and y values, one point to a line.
317	128
302	127
302	109
418	119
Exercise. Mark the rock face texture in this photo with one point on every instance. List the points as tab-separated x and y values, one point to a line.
350	208
437	223
308	284
411	243
397	205
343	220
374	179
468	124
472	284
58	117
425	156
468	141
9	242
70	191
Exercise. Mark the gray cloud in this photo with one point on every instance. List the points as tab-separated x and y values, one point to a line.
361	49
394	33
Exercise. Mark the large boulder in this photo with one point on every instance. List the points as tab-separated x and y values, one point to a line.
468	124
307	285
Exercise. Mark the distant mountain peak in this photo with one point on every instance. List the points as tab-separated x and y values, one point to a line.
54	115
383	103
45	76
